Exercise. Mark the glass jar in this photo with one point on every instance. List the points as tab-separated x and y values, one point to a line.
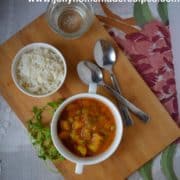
70	20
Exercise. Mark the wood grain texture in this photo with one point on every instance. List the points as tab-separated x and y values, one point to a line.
140	143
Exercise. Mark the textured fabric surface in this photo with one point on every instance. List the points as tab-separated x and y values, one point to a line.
18	158
151	54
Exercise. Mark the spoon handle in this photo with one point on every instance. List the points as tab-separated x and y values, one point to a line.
138	112
123	109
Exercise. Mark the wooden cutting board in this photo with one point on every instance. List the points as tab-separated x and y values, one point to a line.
140	143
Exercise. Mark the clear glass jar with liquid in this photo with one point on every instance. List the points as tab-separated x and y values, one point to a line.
70	20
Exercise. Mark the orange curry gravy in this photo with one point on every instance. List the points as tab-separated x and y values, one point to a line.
86	127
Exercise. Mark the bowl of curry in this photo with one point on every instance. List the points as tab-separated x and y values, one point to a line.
86	129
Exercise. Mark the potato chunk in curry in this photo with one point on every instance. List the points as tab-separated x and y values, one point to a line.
95	142
86	127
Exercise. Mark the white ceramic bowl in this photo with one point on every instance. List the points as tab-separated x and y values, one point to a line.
30	47
80	161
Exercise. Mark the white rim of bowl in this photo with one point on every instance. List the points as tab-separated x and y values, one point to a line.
32	46
66	152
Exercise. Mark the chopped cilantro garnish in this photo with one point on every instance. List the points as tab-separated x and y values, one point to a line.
41	134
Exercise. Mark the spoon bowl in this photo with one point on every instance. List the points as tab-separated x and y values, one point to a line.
89	73
104	54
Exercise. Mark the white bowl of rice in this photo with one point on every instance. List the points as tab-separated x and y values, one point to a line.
39	70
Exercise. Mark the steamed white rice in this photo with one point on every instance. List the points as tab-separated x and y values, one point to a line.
40	71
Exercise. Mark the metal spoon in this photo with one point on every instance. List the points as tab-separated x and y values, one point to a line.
105	57
90	73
